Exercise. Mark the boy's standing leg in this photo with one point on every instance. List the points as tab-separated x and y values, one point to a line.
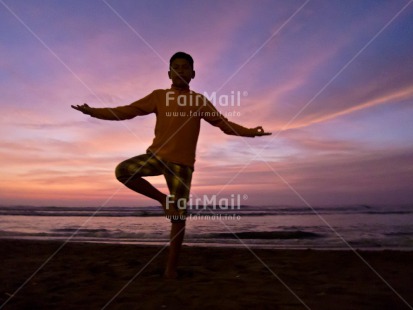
177	228
177	237
178	179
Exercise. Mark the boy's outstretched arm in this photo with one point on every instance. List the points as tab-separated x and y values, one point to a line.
142	106
111	114
259	131
84	108
212	116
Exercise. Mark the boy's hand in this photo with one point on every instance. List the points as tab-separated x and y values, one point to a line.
84	108
259	131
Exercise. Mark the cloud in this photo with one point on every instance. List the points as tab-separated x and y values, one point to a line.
392	98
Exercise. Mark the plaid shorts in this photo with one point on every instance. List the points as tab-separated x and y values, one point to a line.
178	177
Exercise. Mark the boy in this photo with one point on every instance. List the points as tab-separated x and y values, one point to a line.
178	115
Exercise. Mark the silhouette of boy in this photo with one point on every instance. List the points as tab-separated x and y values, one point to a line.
178	116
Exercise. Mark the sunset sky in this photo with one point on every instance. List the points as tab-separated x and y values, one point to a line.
332	81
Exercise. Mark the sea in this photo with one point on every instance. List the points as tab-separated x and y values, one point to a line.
357	227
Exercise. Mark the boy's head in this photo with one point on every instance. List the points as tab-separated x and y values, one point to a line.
181	69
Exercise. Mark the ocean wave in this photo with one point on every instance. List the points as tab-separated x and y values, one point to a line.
207	210
298	234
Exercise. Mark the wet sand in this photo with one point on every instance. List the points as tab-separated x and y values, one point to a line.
96	276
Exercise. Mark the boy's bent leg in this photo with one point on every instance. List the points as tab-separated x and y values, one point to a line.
130	172
141	186
177	237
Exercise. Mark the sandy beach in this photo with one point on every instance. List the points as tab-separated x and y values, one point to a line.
96	276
